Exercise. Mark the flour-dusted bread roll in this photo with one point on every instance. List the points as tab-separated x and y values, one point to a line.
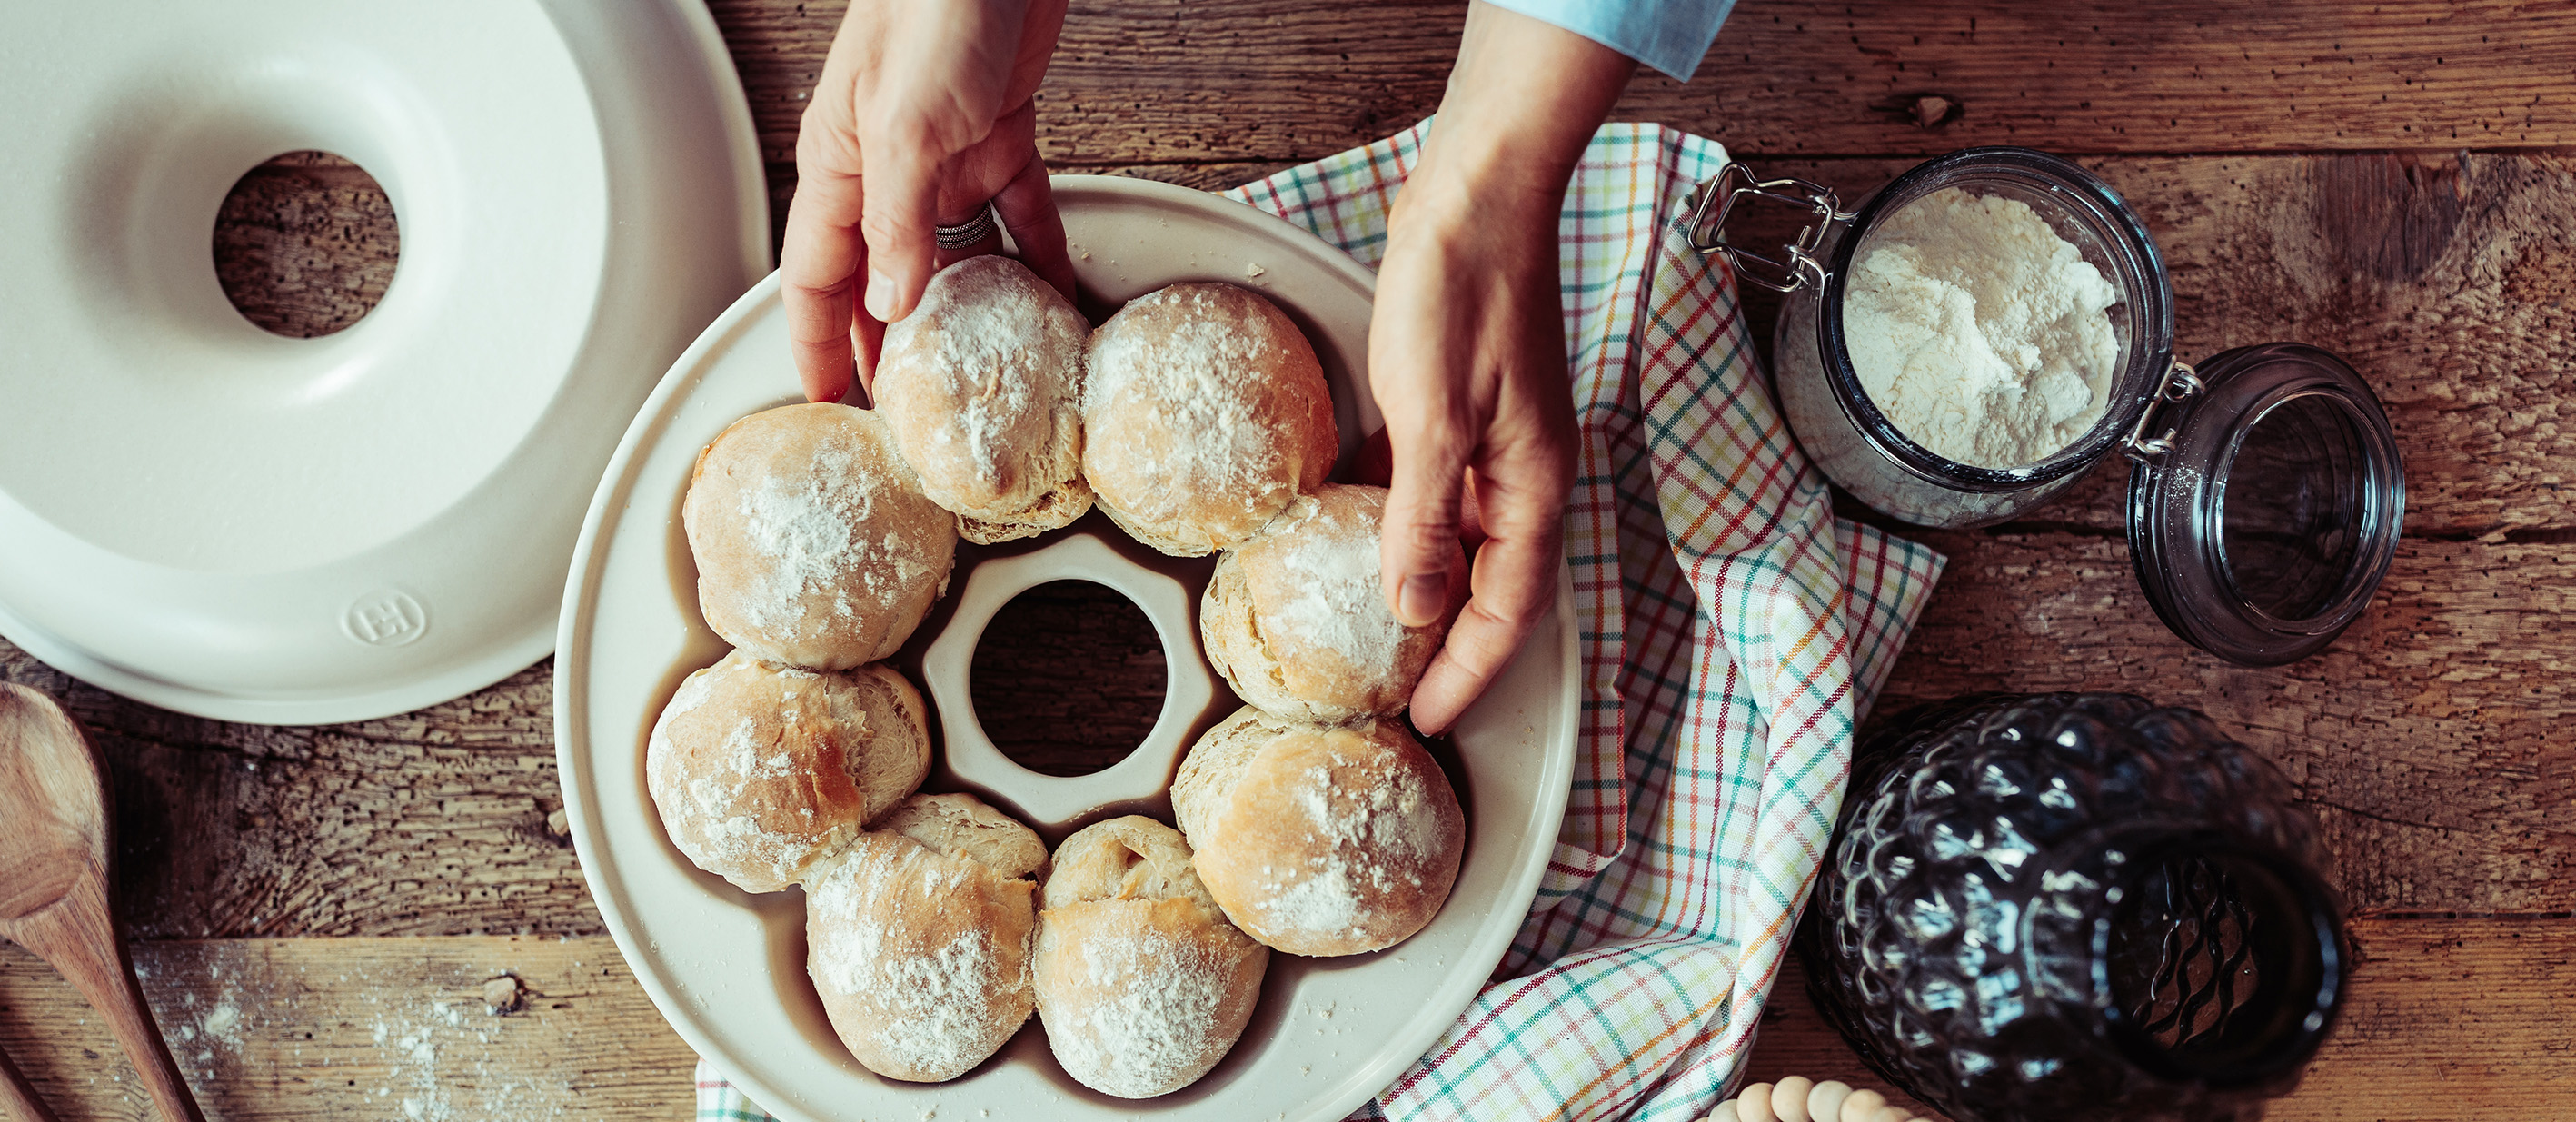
1297	621
815	545
1206	412
1142	984
982	385
1317	839
918	938
760	772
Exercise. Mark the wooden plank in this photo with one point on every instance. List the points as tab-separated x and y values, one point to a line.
330	1029
338	1028
434	822
1166	81
2453	1018
2430	742
1069	678
2446	280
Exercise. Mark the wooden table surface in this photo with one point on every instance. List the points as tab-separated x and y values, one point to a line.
320	909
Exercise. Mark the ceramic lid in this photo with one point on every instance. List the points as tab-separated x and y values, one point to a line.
217	520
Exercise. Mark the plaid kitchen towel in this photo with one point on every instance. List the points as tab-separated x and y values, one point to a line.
1732	633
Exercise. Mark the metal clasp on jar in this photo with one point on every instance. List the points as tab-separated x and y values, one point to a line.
1735	182
2181	383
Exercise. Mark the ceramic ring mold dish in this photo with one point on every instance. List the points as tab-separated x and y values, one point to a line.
1058	805
214	519
727	968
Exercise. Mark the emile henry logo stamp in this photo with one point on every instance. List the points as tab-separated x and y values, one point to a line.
385	618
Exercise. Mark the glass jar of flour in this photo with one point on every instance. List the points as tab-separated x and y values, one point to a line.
1993	323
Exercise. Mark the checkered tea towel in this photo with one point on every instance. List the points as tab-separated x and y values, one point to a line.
1732	633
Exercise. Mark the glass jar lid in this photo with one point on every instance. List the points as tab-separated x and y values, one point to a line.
2265	516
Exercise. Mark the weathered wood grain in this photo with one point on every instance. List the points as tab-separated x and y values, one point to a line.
1068	678
2425	742
2449	1019
2430	742
2459	313
332	1029
2447	280
306	244
434	822
1188	81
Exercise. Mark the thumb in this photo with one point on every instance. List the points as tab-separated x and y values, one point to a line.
902	189
1419	542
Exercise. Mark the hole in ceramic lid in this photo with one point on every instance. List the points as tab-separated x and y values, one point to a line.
306	244
1042	684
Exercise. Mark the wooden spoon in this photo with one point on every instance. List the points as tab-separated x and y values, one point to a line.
53	880
20	1098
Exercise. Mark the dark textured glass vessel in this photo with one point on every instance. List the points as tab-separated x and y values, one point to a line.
2074	906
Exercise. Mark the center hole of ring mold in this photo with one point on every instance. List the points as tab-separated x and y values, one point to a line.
306	244
1068	678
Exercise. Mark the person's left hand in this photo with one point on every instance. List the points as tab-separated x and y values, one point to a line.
1467	362
1467	346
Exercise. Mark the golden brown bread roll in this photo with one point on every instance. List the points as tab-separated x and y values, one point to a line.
1319	840
921	953
1297	621
1141	982
814	543
961	825
761	771
982	387
1208	413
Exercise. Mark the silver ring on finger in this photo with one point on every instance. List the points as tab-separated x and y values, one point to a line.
974	231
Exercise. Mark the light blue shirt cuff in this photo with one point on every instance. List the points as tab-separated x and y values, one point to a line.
1669	35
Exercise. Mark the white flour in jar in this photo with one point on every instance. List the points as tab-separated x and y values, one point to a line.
1978	331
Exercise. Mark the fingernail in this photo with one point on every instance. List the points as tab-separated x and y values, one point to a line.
1422	598
880	296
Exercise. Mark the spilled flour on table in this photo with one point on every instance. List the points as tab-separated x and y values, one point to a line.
419	1044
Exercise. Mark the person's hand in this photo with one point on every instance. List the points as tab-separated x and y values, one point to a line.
1467	345
923	112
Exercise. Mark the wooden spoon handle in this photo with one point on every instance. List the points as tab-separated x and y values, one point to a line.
77	936
20	1098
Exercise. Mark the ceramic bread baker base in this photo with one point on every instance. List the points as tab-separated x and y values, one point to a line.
214	519
728	968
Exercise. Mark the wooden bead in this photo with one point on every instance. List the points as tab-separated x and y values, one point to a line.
1863	1106
1825	1103
1754	1105
1789	1098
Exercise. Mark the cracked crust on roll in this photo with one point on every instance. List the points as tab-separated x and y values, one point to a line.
1141	982
1320	839
814	543
761	772
1208	413
982	388
921	953
1297	622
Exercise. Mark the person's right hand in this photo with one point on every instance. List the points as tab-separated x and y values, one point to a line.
923	112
